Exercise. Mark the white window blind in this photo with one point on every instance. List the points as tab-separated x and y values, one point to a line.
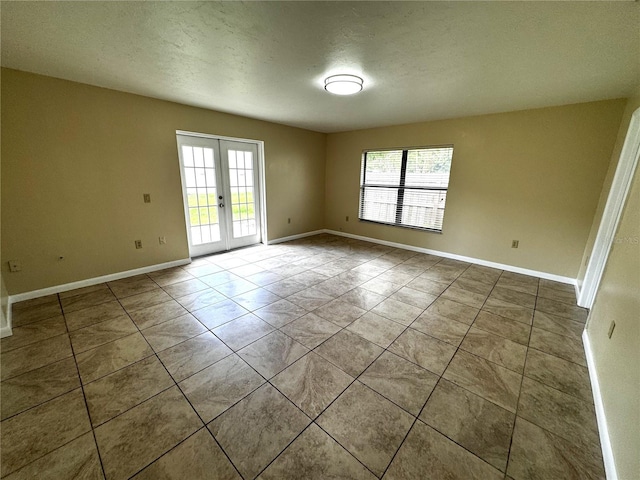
406	187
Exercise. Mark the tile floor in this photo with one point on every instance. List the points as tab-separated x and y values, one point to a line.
320	358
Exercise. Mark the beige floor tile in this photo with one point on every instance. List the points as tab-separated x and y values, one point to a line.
564	347
560	413
92	315
381	287
272	354
284	288
193	355
470	285
144	300
512	296
509	310
349	351
101	333
310	330
83	290
216	388
156	314
172	332
134	384
496	349
428	454
558	325
78	302
441	328
33	332
202	269
421	349
568	297
560	374
340	312
254	431
77	459
312	383
539	454
236	287
310	298
38	386
476	424
219	313
367	425
362	298
413	297
466	297
218	278
40	430
428	285
197	300
108	358
255	299
504	327
453	311
136	438
376	329
481	274
198	457
132	286
397	311
489	380
280	313
34	302
315	455
36	355
170	276
560	309
34	313
242	331
404	383
264	278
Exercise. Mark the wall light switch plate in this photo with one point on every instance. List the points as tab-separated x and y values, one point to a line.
15	266
147	197
138	244
162	240
611	329
515	243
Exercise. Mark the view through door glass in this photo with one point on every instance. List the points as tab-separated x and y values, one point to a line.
221	193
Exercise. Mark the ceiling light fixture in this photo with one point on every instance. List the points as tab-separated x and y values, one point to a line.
343	84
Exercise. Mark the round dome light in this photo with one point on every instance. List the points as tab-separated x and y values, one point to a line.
343	84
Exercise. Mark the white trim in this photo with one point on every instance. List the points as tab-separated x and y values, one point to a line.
6	330
603	430
94	281
478	261
295	237
612	212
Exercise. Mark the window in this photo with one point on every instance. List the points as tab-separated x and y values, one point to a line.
406	188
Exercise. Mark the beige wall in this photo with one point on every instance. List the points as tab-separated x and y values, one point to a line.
76	160
533	175
632	104
617	360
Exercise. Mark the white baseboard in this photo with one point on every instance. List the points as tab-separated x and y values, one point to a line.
94	281
295	237
603	430
479	261
5	332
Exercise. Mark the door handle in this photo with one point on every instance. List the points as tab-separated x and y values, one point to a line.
221	205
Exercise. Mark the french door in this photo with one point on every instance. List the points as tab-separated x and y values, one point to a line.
220	186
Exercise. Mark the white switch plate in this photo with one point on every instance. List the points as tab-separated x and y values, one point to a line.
15	266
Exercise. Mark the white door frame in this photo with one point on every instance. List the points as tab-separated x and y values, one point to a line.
261	174
612	212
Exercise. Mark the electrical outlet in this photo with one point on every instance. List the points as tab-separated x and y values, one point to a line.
346	219
15	266
515	243
138	244
162	240
288	220
611	328
147	197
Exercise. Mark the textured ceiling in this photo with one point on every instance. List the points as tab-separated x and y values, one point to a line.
420	60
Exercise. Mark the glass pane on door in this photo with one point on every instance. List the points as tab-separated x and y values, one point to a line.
243	201
202	194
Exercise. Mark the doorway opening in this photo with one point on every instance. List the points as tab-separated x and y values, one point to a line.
223	192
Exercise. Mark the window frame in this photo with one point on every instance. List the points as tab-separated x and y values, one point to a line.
401	187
